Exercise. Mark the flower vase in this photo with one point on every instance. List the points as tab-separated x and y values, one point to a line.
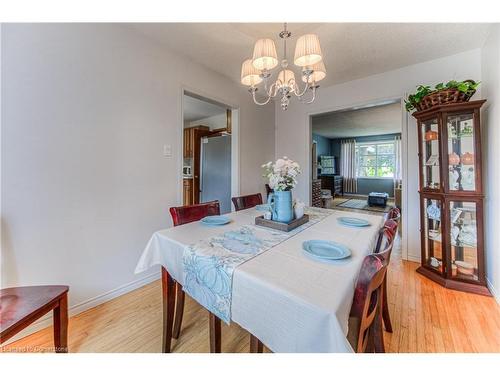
281	206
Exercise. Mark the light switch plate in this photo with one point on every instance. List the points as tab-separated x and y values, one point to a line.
167	150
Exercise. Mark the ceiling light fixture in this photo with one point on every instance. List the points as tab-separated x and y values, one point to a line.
308	56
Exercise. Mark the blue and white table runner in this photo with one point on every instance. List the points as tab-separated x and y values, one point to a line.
209	264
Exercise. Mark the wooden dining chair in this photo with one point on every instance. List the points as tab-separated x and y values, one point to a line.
246	201
187	214
384	254
22	306
365	315
172	326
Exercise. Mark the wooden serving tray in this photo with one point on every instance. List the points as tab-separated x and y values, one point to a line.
285	227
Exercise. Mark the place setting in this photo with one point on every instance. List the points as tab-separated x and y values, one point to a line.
325	251
215	220
353	222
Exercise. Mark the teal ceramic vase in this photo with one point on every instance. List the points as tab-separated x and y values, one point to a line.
281	206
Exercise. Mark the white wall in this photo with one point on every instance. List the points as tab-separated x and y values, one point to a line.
292	126
491	145
86	110
213	122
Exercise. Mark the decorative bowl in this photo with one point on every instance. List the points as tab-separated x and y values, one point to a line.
434	212
431	135
434	262
467	159
453	159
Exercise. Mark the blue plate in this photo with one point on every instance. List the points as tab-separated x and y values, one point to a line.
353	222
215	220
263	207
327	250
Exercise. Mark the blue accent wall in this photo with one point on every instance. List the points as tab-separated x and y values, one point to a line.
367	185
323	145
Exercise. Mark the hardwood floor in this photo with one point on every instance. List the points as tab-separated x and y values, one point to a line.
425	318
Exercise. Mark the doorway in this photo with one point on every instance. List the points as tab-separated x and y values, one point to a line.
207	170
355	153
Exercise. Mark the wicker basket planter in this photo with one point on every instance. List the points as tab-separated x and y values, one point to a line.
446	96
453	92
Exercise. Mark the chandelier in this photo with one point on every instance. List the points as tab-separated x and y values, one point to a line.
307	56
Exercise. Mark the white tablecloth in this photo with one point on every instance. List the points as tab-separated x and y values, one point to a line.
291	302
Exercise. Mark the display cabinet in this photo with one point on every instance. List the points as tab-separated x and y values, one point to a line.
451	196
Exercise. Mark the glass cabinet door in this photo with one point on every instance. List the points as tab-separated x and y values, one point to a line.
433	250
463	240
430	154
461	158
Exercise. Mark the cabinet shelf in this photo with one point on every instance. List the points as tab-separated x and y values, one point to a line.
434	239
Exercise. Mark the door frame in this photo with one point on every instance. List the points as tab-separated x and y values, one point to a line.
235	138
404	154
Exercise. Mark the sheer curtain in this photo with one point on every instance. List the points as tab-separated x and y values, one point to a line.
348	165
398	175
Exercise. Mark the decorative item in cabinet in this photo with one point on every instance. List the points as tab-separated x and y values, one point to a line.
451	194
464	239
461	145
432	249
316	193
429	146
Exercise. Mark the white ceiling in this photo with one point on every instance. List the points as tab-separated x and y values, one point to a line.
351	50
196	109
383	119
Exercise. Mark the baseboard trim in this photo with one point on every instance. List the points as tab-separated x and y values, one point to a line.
493	291
46	321
413	258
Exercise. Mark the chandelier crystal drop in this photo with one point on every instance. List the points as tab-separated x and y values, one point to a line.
308	57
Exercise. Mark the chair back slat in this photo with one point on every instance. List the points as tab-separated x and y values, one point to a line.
187	214
394	214
367	298
247	201
384	254
392	227
373	304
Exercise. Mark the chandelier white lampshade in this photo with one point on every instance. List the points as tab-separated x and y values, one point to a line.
307	50
249	75
308	56
319	72
285	78
264	55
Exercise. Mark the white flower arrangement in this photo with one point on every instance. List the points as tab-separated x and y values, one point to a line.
282	174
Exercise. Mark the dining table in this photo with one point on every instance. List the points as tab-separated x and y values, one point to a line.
263	280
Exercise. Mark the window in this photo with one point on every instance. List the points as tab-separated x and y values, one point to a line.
375	160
